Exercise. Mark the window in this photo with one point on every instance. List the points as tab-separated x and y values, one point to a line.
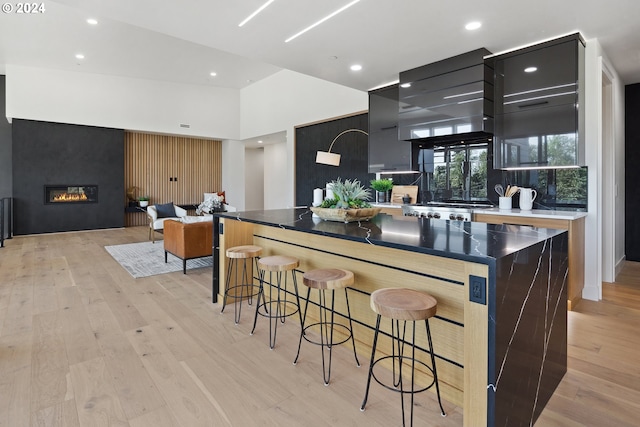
460	172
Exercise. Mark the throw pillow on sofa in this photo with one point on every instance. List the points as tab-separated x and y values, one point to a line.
166	210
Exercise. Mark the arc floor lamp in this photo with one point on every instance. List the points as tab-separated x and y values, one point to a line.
333	159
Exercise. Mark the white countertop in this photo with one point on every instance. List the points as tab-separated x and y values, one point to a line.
534	213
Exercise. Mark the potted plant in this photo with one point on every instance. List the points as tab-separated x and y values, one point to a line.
382	187
144	201
349	203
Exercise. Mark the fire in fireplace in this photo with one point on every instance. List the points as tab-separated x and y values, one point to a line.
70	194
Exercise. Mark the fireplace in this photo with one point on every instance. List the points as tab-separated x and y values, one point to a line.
57	194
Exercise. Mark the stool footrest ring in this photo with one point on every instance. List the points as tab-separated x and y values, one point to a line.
228	294
394	388
327	325
274	313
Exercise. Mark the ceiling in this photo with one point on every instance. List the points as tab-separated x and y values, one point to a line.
187	40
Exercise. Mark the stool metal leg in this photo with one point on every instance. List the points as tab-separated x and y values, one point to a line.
353	340
327	326
280	312
304	319
433	364
398	356
371	363
244	285
260	295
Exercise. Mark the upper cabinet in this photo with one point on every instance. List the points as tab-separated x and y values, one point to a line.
539	99
386	152
448	101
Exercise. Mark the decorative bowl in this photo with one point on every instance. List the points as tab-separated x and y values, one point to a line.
346	215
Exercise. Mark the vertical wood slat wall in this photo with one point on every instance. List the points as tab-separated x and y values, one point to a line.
151	160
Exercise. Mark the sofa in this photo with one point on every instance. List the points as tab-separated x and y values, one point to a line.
158	214
188	239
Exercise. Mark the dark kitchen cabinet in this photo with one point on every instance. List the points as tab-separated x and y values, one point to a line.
447	101
386	152
539	93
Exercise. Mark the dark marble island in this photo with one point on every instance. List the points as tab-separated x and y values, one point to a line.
500	335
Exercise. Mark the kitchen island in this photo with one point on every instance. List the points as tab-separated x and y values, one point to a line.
572	221
500	333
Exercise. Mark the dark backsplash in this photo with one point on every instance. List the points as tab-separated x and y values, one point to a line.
558	189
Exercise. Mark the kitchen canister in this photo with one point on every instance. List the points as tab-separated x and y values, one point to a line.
504	203
527	196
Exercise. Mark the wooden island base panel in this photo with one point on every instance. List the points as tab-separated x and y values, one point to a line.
500	332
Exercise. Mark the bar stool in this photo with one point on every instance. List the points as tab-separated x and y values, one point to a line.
246	288
405	305
327	279
279	308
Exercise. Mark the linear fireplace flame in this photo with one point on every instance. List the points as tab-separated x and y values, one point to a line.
70	194
68	197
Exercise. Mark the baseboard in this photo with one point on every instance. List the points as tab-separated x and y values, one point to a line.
619	265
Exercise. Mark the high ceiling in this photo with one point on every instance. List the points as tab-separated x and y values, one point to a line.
184	41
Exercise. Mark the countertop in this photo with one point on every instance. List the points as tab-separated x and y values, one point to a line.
387	205
469	241
534	213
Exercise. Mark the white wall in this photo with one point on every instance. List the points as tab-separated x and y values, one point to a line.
280	103
123	103
603	179
275	176
233	180
254	178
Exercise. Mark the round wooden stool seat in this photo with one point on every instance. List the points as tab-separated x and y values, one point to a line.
247	251
328	278
403	304
278	263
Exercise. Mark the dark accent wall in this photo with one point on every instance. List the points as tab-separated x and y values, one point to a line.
5	144
63	154
352	146
632	171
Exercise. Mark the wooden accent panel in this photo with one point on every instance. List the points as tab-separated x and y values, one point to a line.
576	246
476	356
391	211
170	168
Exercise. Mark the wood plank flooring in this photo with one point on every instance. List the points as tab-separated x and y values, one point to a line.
82	343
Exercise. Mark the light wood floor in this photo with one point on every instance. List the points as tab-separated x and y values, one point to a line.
82	343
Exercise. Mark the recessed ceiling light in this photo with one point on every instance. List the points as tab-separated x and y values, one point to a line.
473	25
530	69
79	56
248	18
405	85
356	67
213	74
92	21
331	15
259	142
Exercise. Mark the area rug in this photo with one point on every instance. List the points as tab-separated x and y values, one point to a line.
147	259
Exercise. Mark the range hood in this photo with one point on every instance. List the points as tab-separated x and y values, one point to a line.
447	102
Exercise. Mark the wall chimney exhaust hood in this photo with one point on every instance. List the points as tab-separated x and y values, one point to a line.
447	102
